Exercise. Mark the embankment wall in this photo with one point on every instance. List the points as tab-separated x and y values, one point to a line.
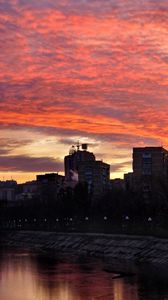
136	249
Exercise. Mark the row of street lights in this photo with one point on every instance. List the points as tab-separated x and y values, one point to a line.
105	218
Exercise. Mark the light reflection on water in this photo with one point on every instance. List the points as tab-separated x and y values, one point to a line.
24	276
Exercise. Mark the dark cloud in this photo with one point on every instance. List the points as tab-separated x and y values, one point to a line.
30	164
9	144
58	132
100	8
75	140
127	140
4	151
67	141
117	156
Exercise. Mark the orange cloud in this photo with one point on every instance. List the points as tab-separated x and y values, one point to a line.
98	70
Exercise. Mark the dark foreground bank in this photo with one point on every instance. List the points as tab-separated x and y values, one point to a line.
127	248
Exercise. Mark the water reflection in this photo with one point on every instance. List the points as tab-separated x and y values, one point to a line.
37	277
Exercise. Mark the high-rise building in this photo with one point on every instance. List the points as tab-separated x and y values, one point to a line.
74	159
97	175
81	166
150	167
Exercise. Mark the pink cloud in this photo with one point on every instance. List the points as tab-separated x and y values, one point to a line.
97	70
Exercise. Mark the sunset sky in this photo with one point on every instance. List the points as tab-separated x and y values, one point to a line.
89	70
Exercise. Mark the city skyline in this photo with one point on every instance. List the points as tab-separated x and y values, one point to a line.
93	71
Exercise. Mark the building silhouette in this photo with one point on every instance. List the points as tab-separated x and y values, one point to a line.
97	175
128	181
150	167
50	178
73	161
81	166
7	190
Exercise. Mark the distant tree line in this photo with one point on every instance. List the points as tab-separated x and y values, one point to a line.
116	205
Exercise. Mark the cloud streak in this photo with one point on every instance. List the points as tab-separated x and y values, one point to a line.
30	164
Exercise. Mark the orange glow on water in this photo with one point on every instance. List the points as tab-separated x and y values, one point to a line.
24	277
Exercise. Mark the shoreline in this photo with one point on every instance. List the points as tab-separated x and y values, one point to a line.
128	248
125	255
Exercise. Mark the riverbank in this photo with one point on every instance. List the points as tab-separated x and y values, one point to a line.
134	249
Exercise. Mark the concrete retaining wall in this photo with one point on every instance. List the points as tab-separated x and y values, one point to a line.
119	247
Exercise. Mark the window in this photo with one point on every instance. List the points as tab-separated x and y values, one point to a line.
146	164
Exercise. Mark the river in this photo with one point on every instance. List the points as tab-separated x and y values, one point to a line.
34	276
